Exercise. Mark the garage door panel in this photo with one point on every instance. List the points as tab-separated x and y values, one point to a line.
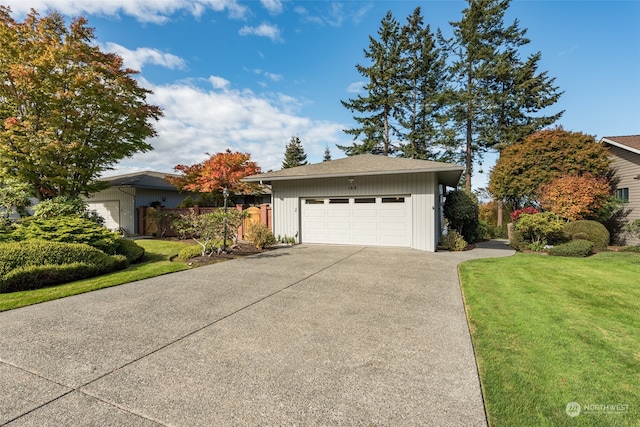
358	220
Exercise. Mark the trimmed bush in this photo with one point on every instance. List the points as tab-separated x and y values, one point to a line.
189	252
453	241
35	264
574	248
130	249
580	236
67	229
596	232
261	236
631	248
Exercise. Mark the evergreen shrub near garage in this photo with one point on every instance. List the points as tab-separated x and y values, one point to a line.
130	249
596	232
67	229
36	264
189	252
574	248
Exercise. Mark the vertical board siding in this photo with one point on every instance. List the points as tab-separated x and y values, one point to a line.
627	166
420	187
127	209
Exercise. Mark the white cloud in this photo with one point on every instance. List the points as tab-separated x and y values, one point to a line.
273	6
136	59
198	121
154	11
262	30
356	87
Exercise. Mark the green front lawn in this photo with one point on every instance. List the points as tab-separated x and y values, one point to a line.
548	331
156	262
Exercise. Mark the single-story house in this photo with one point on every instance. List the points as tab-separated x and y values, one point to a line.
625	155
361	200
119	203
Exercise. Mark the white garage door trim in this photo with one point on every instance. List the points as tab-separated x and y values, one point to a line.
361	220
109	210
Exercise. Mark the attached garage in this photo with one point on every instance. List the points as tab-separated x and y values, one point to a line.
379	221
364	200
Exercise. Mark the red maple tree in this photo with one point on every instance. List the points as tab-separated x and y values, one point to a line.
219	171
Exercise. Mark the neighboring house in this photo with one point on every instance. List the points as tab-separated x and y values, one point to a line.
119	203
625	153
361	200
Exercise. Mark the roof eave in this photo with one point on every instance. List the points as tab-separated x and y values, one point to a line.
267	179
619	145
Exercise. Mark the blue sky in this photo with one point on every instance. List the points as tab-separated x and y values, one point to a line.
249	75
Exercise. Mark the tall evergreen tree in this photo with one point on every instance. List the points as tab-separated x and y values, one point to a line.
327	154
423	85
377	125
497	92
294	154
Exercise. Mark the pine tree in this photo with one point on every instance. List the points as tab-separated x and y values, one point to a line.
327	154
497	92
294	154
423	86
377	126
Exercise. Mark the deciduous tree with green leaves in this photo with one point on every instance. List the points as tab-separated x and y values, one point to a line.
542	157
68	111
294	154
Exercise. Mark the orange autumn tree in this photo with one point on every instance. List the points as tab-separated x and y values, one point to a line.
219	171
575	197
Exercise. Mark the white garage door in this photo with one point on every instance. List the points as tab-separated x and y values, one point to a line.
109	210
376	221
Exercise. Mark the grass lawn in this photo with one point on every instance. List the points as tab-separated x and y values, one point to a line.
156	262
548	331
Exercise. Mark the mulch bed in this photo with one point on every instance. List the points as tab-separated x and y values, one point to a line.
239	250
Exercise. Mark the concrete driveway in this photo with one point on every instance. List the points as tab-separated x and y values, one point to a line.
308	335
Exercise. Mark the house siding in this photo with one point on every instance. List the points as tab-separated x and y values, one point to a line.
127	209
422	188
626	165
131	198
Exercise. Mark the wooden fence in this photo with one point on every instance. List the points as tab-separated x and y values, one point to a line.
255	215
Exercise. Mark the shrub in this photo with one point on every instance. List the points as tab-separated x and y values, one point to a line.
130	249
67	229
574	248
540	228
461	210
35	263
596	232
65	206
580	236
189	252
633	228
453	241
630	248
261	236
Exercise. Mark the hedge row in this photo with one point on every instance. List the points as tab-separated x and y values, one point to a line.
35	264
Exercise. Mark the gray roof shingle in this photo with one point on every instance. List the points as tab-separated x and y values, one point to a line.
145	179
363	164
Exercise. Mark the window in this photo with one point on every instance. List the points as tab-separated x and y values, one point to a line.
340	201
622	194
393	200
365	200
314	201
